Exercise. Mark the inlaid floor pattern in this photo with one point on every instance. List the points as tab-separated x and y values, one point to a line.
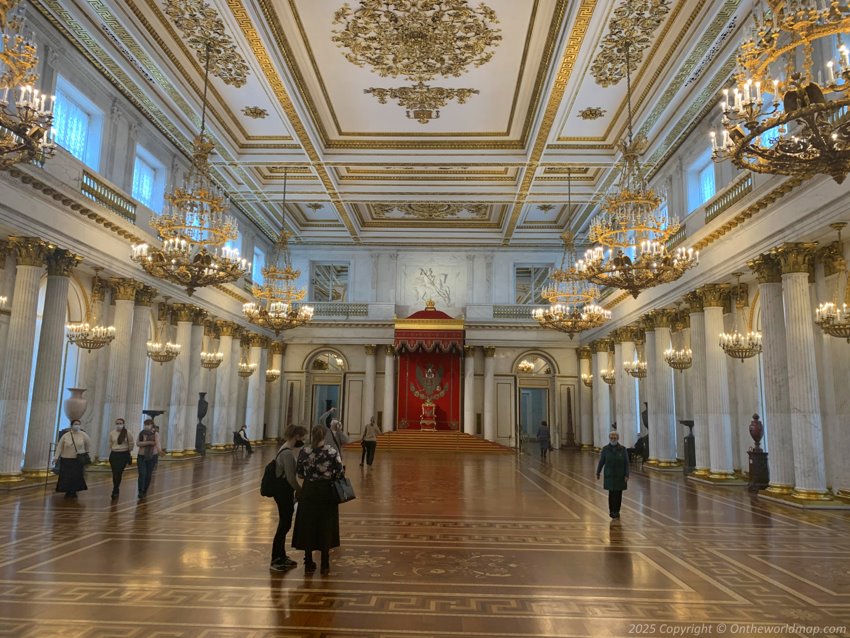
439	544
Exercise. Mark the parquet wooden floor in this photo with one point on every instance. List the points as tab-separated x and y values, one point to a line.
435	545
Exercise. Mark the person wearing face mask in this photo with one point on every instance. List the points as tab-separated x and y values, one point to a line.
285	467
615	461
147	456
71	471
120	446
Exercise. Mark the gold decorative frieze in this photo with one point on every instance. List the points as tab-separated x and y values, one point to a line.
418	41
592	113
124	289
204	32
145	295
430	210
29	251
61	262
635	22
766	268
796	256
255	112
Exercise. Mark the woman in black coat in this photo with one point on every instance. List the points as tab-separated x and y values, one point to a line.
615	461
317	519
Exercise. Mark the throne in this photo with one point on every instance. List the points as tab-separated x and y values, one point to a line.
427	417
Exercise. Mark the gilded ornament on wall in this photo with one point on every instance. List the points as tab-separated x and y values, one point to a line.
418	41
204	32
592	113
430	210
635	22
255	112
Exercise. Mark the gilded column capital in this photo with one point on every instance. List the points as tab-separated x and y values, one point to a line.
833	260
766	268
630	333
199	316
61	262
370	350
606	344
681	320
647	322
278	347
29	251
257	340
389	351
145	295
489	352
225	328
694	301
209	328
182	312
469	351
797	256
584	353
662	317
714	295
124	289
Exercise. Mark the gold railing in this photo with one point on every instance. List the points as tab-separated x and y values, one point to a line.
513	311
339	309
734	193
108	197
677	238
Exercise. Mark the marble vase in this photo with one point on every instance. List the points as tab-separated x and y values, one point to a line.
75	405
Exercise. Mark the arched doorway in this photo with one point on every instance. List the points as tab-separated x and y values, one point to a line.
535	374
326	373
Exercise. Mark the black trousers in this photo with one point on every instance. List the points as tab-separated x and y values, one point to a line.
615	500
118	461
368	452
285	508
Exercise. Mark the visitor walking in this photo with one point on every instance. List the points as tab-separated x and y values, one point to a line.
317	519
285	499
120	448
369	442
615	461
148	456
544	439
71	468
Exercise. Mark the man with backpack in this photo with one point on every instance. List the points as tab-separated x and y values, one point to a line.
279	483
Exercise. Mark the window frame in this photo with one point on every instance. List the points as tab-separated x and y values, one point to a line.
94	126
159	180
335	264
535	298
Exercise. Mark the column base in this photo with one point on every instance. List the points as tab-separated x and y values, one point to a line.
597	449
586	448
701	472
190	453
220	447
36	473
779	489
718	478
11	478
663	466
843	493
811	495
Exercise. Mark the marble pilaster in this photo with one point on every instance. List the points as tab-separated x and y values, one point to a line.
490	393
803	391
663	415
585	399
389	389
622	378
137	359
699	399
29	255
369	386
224	377
256	389
6	286
469	389
196	341
716	387
49	363
629	412
274	421
601	394
238	388
182	368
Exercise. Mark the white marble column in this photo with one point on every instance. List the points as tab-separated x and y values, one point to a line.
49	362
238	387
222	424
256	390
662	415
621	381
369	386
182	368
585	399
629	412
716	388
747	385
601	393
803	393
274	421
490	393
29	255
190	425
681	381
699	401
209	377
6	287
469	389
389	389
137	360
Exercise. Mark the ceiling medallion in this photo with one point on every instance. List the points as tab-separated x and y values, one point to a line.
635	21
431	210
419	41
592	113
778	120
204	32
255	112
315	206
546	208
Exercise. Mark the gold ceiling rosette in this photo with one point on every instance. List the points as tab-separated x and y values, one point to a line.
419	40
788	111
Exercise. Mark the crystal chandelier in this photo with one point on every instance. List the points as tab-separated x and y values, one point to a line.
736	344
778	119
272	375
637	369
587	379
26	115
608	375
86	336
525	366
280	307
245	368
631	231
196	226
211	359
161	349
679	359
834	317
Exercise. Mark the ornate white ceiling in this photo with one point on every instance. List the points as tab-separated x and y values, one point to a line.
491	171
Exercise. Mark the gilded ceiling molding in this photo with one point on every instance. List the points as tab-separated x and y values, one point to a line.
592	113
255	112
431	210
559	85
634	21
203	31
265	62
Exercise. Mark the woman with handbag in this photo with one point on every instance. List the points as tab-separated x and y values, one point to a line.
120	446
72	455
317	519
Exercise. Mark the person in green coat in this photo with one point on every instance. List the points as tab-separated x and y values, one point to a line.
615	460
